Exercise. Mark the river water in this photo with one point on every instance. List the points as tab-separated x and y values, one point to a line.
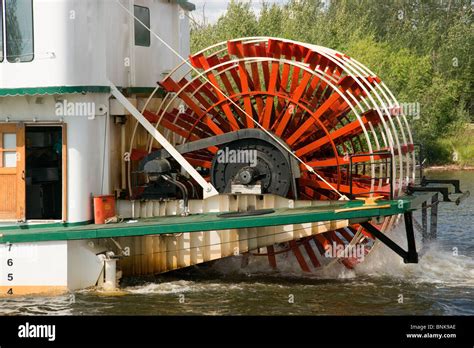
442	283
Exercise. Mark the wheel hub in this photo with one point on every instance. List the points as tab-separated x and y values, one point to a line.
249	162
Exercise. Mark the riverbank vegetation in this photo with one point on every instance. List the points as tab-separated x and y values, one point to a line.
422	49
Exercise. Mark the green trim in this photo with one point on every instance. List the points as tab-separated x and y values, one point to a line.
11	92
27	226
204	222
186	5
31	91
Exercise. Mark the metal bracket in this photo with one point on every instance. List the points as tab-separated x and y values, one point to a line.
124	252
387	155
410	256
454	182
430	234
443	190
208	189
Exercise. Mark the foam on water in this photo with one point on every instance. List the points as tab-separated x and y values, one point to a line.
288	266
179	287
436	265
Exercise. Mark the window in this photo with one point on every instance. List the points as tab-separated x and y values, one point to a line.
9	150
1	30
142	35
19	30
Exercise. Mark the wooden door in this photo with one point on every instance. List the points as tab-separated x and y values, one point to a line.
12	171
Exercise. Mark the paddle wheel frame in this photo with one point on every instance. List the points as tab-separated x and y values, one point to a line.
326	111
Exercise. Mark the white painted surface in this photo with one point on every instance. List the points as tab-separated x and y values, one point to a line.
85	165
34	264
71	264
83	265
87	42
110	278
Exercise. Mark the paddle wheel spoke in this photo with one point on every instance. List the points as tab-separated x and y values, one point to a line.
311	253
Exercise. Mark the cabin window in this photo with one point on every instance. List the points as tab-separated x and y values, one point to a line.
9	150
19	30
142	35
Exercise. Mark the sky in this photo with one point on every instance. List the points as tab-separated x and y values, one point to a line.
213	9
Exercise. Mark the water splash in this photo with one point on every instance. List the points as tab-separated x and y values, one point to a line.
436	265
178	287
288	266
174	287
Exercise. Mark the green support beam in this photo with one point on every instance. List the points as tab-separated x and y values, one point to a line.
207	222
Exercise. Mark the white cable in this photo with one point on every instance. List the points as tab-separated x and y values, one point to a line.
309	168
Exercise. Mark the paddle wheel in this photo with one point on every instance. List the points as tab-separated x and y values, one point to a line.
320	125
